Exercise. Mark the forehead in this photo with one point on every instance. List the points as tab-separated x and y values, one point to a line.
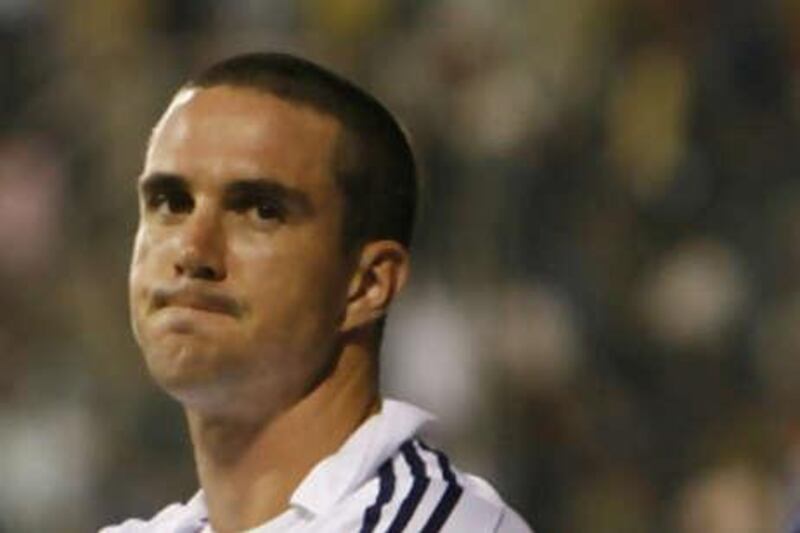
240	132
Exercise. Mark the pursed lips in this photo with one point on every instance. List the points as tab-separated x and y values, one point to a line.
201	300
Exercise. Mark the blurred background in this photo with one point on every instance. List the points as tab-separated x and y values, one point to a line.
606	297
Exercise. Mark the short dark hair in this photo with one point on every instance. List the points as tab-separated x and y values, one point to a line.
374	163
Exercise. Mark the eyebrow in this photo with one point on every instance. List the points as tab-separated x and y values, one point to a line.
296	200
160	181
259	187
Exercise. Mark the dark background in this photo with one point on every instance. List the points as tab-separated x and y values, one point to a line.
604	310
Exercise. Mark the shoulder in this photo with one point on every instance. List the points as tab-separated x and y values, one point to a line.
420	490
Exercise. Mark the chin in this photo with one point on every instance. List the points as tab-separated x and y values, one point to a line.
197	374
181	366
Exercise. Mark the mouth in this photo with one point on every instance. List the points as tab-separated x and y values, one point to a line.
196	300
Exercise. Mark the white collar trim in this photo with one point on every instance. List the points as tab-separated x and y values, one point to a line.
375	441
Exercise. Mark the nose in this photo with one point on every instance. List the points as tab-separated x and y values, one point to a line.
201	248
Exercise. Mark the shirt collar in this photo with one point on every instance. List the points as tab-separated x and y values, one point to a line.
375	441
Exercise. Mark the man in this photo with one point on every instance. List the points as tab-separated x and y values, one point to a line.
276	207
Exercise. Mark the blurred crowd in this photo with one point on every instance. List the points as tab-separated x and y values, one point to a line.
605	301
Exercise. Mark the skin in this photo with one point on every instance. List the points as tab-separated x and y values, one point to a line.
246	307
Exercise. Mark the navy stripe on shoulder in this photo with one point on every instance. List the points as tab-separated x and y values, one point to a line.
443	509
450	497
444	462
418	487
373	513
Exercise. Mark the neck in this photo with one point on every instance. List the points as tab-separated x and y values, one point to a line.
249	469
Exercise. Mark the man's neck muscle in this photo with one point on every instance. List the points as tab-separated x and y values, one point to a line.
249	471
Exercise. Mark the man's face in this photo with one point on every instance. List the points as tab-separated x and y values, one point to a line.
238	281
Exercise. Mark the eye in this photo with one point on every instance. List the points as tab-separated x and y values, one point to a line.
265	213
258	205
170	202
267	210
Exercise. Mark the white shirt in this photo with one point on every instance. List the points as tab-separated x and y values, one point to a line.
382	479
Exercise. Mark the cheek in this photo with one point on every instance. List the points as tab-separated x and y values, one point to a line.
141	252
143	269
143	246
150	252
301	293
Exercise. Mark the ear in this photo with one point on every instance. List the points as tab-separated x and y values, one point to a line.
381	273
